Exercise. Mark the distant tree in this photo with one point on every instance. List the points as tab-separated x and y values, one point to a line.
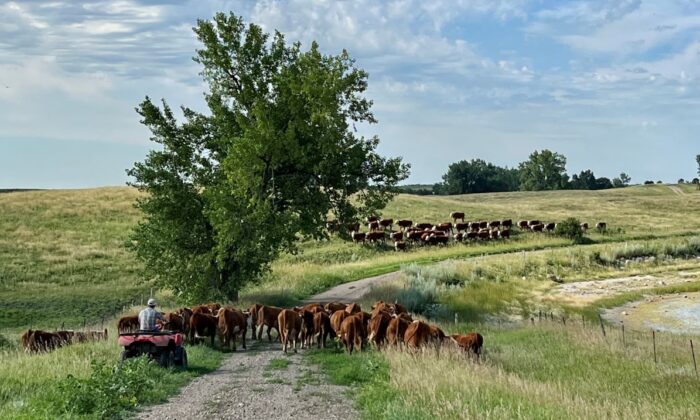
622	181
275	154
544	170
681	181
603	183
697	159
659	182
695	181
648	182
477	176
586	180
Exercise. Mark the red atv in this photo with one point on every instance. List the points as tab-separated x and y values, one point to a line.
162	346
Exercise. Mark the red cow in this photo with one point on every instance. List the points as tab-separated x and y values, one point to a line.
470	343
351	333
202	326
290	325
267	317
322	328
232	322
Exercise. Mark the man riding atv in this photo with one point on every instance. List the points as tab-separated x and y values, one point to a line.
148	317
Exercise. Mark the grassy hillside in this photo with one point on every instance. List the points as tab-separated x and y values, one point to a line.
62	255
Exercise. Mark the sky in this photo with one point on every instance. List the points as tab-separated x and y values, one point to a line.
612	85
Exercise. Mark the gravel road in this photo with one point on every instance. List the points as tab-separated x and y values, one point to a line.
353	291
245	387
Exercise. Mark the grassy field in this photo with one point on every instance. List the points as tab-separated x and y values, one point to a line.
63	261
546	371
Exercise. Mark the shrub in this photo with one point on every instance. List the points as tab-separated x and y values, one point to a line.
570	228
111	390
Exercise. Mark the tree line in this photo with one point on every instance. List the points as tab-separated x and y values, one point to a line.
543	170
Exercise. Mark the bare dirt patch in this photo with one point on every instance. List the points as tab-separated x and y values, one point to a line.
678	313
586	292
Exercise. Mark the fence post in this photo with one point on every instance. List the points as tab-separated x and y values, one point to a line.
540	316
695	365
653	339
84	322
563	320
602	327
456	318
624	342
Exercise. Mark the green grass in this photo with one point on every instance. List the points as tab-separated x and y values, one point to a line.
278	364
544	371
29	385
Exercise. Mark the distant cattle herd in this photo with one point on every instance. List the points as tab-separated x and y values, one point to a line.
458	230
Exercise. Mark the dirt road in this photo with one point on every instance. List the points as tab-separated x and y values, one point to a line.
676	190
353	291
247	387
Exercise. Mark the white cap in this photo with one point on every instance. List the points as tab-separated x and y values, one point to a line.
151	302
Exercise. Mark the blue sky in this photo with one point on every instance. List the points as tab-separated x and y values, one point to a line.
613	85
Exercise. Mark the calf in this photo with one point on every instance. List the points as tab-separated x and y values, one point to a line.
351	333
268	317
457	215
399	246
202	326
232	322
322	328
470	343
290	325
307	327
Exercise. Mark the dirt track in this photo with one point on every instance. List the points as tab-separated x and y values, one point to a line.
243	387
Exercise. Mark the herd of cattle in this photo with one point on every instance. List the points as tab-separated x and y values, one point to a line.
459	230
37	340
386	324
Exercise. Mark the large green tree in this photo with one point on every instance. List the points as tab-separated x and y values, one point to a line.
229	189
544	170
477	176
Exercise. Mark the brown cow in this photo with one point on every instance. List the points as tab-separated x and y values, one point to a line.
377	328
67	336
396	329
484	234
601	226
334	306
371	219
549	227
313	307
307	327
495	224
457	215
267	317
420	333
127	324
373	226
523	224
358	236
375	236
532	223
444	227
351	333
386	223
423	226
404	224
584	226
472	342
253	318
414	235
202	309
458	236
322	328
202	325
175	322
290	325
508	223
474	226
337	319
537	228
232	322
472	235
186	314
353	308
43	341
352	227
440	239
214	307
399	246
461	226
396	236
504	234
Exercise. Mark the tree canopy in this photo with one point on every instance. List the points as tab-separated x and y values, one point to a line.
275	154
545	170
477	176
